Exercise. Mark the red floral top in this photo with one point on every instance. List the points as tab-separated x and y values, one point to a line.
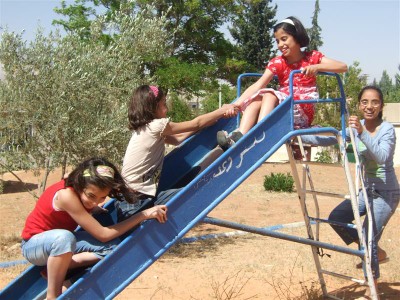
282	69
304	87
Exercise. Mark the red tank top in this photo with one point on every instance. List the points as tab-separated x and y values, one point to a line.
44	217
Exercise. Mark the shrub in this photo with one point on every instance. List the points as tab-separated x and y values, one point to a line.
279	182
323	157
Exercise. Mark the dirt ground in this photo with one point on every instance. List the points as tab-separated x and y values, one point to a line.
234	266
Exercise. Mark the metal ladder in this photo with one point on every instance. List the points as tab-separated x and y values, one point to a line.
355	186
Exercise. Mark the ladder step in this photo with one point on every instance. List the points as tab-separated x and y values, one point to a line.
315	163
342	196
318	220
359	281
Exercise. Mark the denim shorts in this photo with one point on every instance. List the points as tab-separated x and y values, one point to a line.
55	242
125	210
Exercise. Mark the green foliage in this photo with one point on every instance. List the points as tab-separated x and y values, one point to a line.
179	110
81	15
195	25
315	31
353	81
252	24
323	157
181	76
73	93
79	18
393	96
211	100
195	43
279	182
385	83
232	69
327	114
391	92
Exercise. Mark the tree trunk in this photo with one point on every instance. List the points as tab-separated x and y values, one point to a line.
46	175
64	166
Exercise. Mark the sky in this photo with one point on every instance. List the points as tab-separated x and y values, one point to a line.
365	31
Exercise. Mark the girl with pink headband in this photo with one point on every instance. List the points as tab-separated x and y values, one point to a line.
151	130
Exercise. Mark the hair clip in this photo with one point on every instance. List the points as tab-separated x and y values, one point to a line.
154	89
102	170
288	21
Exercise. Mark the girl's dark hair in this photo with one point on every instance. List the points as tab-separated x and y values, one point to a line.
143	106
298	31
378	90
79	182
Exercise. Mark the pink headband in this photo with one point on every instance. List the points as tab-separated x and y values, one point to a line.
154	89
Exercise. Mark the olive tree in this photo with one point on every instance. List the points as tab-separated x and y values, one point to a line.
65	98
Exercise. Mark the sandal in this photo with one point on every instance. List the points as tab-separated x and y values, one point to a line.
225	141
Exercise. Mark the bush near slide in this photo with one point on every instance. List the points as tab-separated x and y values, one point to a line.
279	182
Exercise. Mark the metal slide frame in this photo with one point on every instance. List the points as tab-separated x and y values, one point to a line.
301	187
193	202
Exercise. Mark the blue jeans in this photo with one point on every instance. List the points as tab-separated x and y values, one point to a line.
382	203
126	210
55	242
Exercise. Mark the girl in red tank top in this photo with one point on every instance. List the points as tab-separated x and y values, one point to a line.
48	237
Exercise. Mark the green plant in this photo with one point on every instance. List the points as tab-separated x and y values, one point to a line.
323	157
279	182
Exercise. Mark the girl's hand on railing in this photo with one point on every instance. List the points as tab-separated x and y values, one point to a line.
355	123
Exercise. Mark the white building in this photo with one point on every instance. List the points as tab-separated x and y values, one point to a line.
391	113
